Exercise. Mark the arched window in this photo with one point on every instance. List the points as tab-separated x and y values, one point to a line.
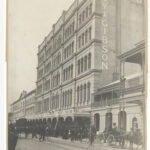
73	26
64	74
108	121
90	33
70	49
70	97
81	91
85	63
72	46
134	123
59	58
89	91
84	92
122	120
87	11
79	19
82	39
79	41
63	99
89	60
83	15
78	66
71	71
65	53
58	102
86	36
81	64
78	95
58	82
90	9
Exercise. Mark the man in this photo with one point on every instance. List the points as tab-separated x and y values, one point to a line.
42	133
92	134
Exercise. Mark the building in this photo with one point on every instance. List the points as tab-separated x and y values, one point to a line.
18	107
24	107
30	105
122	101
82	64
80	55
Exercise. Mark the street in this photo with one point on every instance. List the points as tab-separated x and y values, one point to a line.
31	144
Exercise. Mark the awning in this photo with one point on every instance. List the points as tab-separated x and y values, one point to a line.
82	114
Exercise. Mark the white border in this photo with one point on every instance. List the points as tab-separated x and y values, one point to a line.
3	78
2	75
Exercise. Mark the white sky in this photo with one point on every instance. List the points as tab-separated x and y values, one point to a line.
29	21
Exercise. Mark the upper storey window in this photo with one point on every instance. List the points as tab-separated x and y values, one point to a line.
84	63
47	67
48	51
40	74
85	37
69	50
83	16
56	59
69	30
41	59
57	42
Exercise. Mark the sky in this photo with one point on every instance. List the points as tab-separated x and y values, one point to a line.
29	21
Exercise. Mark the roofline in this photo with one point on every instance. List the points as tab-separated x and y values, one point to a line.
139	47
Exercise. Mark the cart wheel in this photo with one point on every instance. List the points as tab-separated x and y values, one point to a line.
110	139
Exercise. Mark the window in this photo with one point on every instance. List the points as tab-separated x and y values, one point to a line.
83	15
89	60
82	65
72	46
84	92
90	33
86	36
81	93
71	71
85	63
70	97
90	9
88	91
82	39
63	99
79	41
78	95
78	66
73	26
87	12
79	19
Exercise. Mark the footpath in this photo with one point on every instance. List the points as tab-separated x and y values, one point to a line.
78	144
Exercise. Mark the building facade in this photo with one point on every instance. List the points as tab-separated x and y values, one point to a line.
80	55
24	107
18	107
83	60
122	101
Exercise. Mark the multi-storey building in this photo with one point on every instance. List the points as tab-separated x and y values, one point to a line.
18	107
122	101
24	107
30	105
81	52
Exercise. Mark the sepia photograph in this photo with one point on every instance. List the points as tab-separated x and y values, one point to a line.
77	74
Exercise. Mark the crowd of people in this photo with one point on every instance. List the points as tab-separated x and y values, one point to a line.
74	132
43	131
